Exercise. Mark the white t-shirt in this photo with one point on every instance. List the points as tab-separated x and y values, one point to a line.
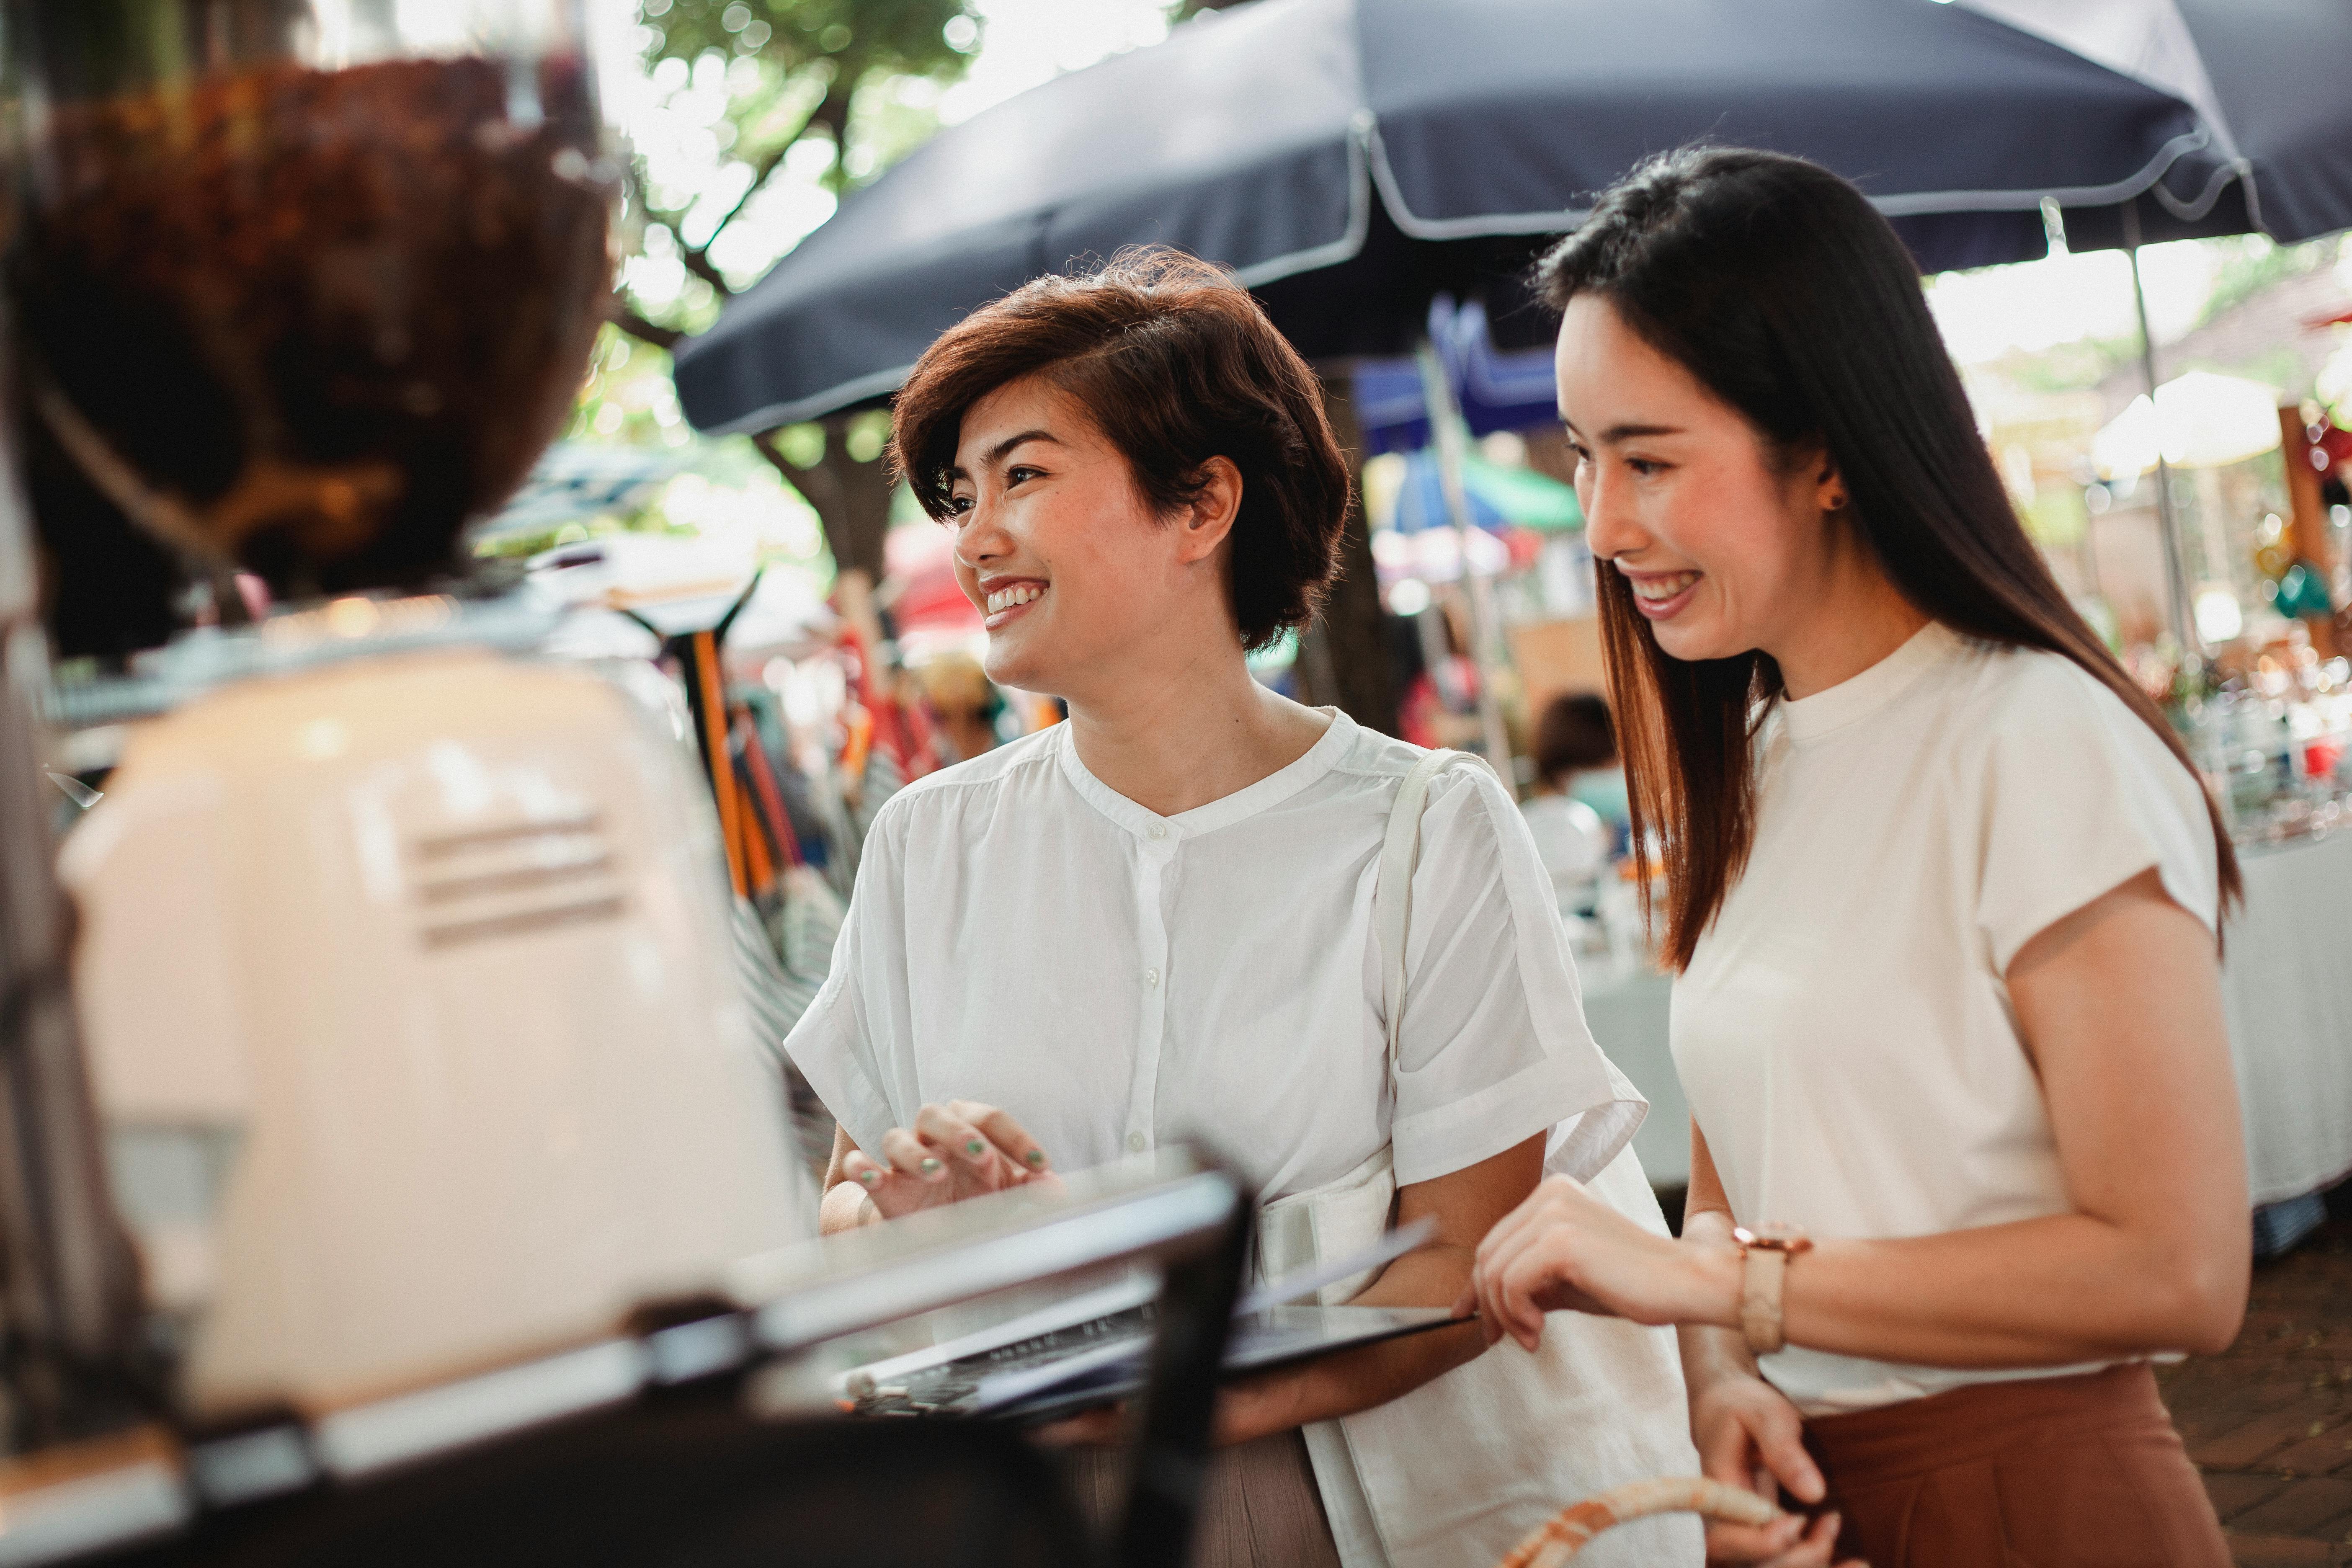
1023	936
1845	1031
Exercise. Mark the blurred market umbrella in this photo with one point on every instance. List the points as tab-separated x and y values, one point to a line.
2266	77
1496	389
1352	158
2200	420
575	480
1499	497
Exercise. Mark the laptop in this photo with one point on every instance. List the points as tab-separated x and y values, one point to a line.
1095	1348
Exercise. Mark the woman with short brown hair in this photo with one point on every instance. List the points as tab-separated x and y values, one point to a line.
1157	921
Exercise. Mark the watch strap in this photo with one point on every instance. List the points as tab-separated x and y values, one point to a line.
1766	1271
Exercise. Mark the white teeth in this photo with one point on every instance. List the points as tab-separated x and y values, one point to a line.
1005	598
1662	587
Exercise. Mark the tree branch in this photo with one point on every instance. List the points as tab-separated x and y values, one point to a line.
619	313
766	441
760	173
697	261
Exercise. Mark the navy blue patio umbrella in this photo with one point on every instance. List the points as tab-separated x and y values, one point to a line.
1351	158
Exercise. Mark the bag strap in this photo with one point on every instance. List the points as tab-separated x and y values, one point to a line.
1392	894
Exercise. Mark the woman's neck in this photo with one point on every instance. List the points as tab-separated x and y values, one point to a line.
1857	619
1190	735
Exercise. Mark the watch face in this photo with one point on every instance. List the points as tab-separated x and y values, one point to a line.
1773	1237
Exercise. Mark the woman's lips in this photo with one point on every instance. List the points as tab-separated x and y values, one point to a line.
1662	594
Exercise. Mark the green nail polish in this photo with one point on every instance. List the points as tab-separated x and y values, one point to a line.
871	1178
1036	1156
974	1146
931	1167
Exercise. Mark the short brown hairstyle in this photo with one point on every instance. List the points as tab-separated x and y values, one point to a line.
1176	364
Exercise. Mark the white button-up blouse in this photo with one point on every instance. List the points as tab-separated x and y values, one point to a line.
1022	935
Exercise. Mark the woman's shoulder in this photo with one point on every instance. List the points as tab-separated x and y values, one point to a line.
1983	694
1376	765
951	788
2005	695
2046	734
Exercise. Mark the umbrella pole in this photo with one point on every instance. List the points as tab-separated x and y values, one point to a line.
1446	434
2176	579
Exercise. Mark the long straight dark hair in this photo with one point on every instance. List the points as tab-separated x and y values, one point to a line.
1780	287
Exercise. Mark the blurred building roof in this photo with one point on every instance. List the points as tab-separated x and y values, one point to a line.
2265	337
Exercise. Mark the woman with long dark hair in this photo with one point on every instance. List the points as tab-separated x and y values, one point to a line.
1942	894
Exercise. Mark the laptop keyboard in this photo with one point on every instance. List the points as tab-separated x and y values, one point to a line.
956	1387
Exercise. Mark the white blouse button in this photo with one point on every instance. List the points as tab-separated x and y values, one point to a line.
1151	977
1135	1142
1159	831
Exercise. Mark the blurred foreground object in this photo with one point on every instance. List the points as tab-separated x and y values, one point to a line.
686	1435
300	287
68	1280
411	1016
416	1036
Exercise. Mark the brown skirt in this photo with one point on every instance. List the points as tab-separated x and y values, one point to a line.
1259	1508
2056	1472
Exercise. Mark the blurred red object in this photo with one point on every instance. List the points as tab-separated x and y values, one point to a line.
2320	757
2337	442
924	594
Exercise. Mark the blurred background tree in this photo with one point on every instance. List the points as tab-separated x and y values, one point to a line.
754	117
771	86
747	121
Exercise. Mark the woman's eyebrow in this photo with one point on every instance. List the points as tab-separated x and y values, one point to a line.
1617	434
1002	451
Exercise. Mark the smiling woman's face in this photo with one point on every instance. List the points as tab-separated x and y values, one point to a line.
1725	544
1071	569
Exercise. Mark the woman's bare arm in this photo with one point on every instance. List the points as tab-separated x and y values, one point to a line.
2120	1004
1465	1204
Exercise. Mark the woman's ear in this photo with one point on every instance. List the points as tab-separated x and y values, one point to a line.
1209	518
1829	485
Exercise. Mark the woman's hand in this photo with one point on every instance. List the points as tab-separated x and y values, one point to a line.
1563	1248
956	1150
1750	1436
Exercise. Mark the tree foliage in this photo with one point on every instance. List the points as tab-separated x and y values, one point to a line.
796	70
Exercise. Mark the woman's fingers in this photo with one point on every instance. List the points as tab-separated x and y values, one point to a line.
1521	1283
954	1138
1509	1278
1791	1541
1011	1139
863	1169
891	1194
909	1156
1778	1434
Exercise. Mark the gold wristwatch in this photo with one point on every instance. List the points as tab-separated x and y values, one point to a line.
1766	1253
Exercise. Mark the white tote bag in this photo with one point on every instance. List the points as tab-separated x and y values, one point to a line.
1457	1472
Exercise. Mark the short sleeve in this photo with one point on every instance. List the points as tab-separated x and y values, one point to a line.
831	1044
2078	796
1493	1047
